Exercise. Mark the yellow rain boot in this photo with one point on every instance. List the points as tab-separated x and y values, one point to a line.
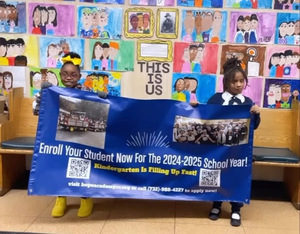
86	207
60	207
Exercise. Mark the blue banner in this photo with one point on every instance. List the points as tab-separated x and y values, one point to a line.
145	149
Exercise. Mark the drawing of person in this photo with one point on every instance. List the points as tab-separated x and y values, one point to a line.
285	95
3	50
3	15
63	48
295	67
278	4
20	48
189	25
282	33
96	58
35	80
140	22
52	78
52	20
296	5
239	36
12	17
87	20
198	27
44	19
52	55
191	87
297	32
216	26
1	83
271	96
253	28
134	23
186	90
247	29
7	82
167	25
10	53
288	62
197	68
179	87
254	4
113	53
193	49
290	33
146	20
186	66
277	96
280	67
103	21
36	18
288	4
273	63
105	61
96	18
207	22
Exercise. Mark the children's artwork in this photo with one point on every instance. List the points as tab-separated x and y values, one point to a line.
109	82
283	61
39	75
18	50
154	50
195	58
152	2
193	87
280	92
204	26
287	5
104	1
201	3
252	27
52	49
139	22
252	58
253	90
51	19
12	17
167	23
12	77
99	22
288	29
250	4
112	55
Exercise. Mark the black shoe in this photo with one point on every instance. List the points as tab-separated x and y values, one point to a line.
214	213
235	219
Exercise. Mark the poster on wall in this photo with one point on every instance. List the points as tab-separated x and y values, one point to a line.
99	22
12	17
193	87
283	61
153	160
52	49
203	26
252	58
250	4
195	58
109	82
167	23
18	50
288	29
104	1
152	2
51	19
287	5
109	55
252	27
253	90
279	93
12	77
200	3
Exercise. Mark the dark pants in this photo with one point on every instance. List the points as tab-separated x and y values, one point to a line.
235	206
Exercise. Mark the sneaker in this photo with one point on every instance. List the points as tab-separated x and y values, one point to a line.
60	207
214	213
235	219
86	207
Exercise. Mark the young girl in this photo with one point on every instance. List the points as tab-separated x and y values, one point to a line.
70	75
234	81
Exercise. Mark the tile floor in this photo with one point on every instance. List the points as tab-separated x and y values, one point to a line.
22	213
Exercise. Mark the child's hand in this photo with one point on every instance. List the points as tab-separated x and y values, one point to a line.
255	109
193	103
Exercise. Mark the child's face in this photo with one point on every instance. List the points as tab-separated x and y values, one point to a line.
70	75
237	85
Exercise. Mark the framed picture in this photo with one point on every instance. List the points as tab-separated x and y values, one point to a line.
154	50
139	22
167	23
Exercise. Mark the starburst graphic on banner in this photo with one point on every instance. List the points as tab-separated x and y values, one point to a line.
148	139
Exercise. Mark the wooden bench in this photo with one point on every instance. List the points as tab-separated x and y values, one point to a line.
280	129
21	123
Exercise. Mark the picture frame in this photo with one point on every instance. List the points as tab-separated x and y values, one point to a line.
154	50
139	23
167	23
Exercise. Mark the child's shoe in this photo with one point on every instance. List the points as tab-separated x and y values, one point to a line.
235	219
60	207
86	207
214	213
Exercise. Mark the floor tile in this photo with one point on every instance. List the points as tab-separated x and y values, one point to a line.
207	229
15	223
18	203
68	226
126	227
251	230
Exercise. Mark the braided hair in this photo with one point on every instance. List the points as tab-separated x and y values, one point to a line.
230	68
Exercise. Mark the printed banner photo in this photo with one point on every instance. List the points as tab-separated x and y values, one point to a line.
144	149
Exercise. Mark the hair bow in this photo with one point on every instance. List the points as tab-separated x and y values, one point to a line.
75	61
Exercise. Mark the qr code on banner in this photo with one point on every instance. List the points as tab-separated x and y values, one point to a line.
79	168
210	178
